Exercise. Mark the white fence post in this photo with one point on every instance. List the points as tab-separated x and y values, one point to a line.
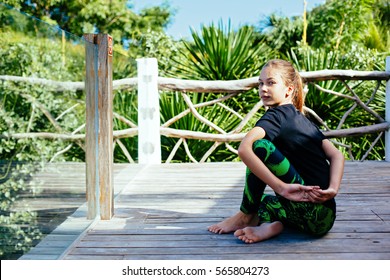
149	143
387	110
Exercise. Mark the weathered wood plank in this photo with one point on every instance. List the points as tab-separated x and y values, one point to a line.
237	249
140	237
249	256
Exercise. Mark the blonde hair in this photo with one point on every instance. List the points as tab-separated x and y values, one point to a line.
290	76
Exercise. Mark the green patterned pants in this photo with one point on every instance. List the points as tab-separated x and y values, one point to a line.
312	218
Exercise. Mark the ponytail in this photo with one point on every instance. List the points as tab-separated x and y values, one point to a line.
298	97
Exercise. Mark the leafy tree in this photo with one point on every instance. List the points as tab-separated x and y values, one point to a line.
378	35
336	25
164	48
339	24
114	17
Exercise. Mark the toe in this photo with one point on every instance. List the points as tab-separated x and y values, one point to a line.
214	229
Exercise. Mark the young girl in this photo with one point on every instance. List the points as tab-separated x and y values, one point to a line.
291	155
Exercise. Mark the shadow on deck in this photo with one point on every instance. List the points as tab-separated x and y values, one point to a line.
162	212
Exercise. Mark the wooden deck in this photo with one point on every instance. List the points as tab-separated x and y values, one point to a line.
162	212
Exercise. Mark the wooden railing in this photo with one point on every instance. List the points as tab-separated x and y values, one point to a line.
232	89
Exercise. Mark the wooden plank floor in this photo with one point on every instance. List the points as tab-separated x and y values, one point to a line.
58	197
162	212
58	190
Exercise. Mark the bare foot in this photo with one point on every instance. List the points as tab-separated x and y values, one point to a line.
259	233
235	222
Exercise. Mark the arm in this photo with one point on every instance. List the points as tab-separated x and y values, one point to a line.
245	151
336	160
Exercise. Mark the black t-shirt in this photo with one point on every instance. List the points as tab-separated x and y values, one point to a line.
300	141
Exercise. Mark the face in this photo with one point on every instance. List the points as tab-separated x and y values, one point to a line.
272	90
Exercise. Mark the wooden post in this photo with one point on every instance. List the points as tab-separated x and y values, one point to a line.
149	142
387	112
99	126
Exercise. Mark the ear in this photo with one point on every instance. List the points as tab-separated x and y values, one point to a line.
290	90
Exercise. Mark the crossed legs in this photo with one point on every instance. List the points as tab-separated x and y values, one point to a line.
245	223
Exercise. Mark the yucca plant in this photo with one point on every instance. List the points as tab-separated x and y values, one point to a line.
220	53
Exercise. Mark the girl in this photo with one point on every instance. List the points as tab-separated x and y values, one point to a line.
291	155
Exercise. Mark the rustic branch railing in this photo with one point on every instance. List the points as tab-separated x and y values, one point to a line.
247	84
230	89
207	86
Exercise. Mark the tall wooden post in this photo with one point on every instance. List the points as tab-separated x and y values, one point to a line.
149	142
99	126
387	112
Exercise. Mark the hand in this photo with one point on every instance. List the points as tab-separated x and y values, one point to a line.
320	196
301	193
